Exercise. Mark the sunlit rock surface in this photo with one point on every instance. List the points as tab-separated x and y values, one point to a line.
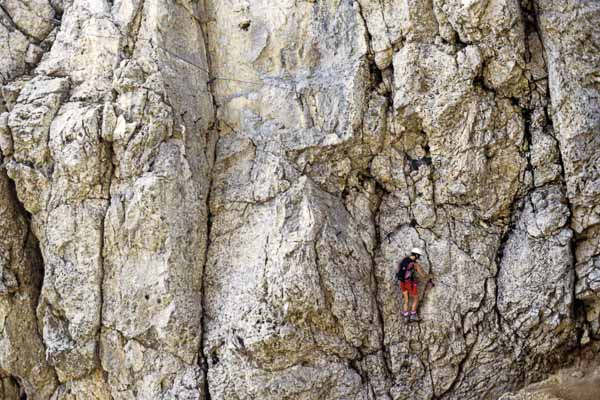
208	200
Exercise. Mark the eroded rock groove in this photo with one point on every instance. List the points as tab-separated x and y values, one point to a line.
221	191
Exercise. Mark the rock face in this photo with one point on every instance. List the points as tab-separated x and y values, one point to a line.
208	200
581	383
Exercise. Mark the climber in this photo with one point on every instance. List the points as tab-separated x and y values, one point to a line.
408	283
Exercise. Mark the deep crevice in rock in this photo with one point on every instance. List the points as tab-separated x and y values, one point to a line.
203	359
33	249
376	254
211	148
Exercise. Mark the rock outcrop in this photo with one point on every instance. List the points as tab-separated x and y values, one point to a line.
576	383
208	200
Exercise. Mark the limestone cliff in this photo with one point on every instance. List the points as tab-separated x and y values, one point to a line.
206	199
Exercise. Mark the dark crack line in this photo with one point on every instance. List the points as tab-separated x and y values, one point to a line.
211	156
103	240
380	313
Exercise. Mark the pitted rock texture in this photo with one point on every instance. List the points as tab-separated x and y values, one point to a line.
577	383
208	200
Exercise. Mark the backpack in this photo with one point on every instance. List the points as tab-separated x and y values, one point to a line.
405	270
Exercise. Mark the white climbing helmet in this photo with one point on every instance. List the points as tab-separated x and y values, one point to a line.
417	250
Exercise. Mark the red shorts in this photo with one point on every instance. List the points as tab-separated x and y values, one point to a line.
410	287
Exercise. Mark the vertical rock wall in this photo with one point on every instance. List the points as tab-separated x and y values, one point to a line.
110	152
207	200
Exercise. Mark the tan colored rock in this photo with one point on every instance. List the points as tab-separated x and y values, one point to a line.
581	383
221	192
23	367
568	31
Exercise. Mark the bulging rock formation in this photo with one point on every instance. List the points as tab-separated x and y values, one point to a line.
208	200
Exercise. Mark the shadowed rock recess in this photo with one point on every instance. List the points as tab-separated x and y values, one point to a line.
205	199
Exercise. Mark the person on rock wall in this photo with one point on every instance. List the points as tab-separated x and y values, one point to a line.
408	283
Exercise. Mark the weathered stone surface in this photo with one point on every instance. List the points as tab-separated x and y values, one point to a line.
21	273
535	290
307	317
25	32
581	383
214	197
152	291
567	30
108	140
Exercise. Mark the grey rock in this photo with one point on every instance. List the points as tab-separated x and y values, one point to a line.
21	272
576	116
32	17
209	200
535	280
